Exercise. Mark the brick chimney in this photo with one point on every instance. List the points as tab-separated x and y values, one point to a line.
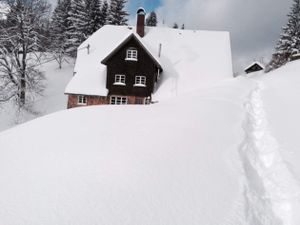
140	25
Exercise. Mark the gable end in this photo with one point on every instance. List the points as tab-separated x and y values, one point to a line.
130	37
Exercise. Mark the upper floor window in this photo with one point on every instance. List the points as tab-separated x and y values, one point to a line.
140	81
81	100
132	54
120	79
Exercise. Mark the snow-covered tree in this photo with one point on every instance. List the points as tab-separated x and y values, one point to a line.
151	20
78	26
117	14
59	27
94	15
289	42
104	13
20	39
175	26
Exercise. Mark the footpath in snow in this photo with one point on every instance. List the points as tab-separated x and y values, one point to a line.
271	192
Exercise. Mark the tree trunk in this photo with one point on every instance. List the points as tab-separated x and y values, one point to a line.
22	91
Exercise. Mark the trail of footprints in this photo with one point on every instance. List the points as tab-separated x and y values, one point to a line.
271	192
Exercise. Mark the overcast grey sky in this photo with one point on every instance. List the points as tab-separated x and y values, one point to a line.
254	25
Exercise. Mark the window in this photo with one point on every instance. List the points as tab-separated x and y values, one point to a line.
140	81
147	100
139	101
132	54
120	80
81	100
118	100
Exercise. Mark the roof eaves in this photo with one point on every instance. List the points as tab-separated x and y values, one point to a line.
252	64
104	61
132	35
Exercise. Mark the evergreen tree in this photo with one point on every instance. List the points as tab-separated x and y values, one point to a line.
117	14
59	28
94	15
175	26
151	20
104	13
289	42
78	26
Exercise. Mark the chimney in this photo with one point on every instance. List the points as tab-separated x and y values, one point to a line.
140	26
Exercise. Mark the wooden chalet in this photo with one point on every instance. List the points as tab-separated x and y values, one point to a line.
132	72
138	65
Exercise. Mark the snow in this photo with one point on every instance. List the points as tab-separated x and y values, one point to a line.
267	174
169	163
283	108
186	55
224	154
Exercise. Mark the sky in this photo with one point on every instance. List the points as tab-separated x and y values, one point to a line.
254	25
148	5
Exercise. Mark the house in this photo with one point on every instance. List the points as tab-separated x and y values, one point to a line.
295	57
136	65
254	67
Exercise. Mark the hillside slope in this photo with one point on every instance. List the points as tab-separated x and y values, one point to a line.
170	163
224	155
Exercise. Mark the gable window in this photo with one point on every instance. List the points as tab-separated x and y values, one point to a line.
120	79
140	81
118	100
81	100
131	54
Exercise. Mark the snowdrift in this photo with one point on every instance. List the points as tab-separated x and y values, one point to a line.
228	154
175	162
281	98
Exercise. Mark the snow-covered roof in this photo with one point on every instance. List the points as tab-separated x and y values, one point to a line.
189	58
255	63
139	40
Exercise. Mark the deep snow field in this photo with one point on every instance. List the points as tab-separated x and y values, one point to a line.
227	154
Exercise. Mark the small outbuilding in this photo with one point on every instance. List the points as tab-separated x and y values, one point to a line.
254	67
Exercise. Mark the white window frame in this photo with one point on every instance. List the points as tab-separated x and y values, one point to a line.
132	55
81	100
120	79
140	81
118	100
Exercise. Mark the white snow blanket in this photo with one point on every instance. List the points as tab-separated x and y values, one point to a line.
226	155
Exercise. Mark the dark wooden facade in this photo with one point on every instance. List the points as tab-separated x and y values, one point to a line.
145	65
140	63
